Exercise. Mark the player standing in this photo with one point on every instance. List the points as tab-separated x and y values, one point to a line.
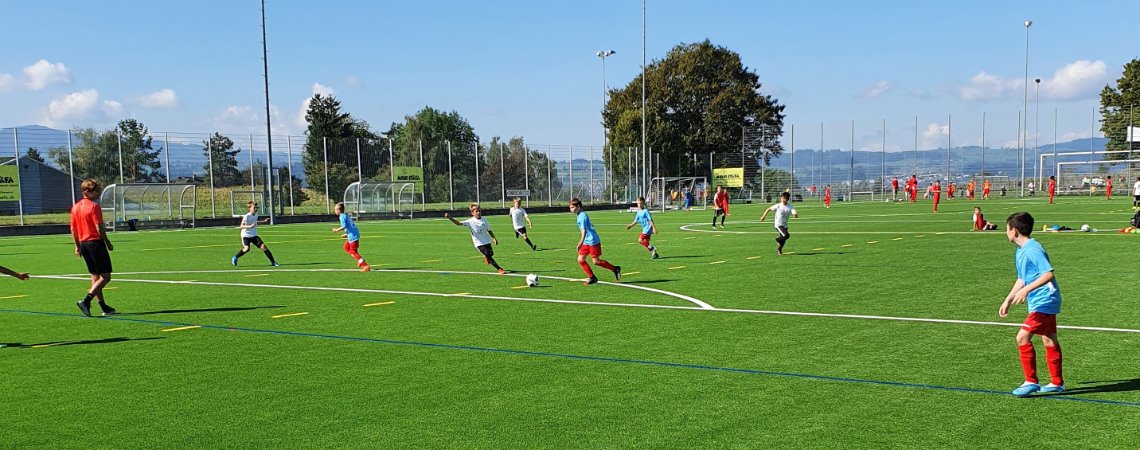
783	210
1108	187
1136	193
1036	285
913	183
894	188
970	189
720	206
827	196
1052	188
92	244
986	189
520	219
589	243
351	237
648	228
936	194
481	235
249	235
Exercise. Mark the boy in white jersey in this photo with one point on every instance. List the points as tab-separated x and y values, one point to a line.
648	228
520	219
481	235
783	210
249	235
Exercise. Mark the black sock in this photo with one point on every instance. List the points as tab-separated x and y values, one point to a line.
104	306
528	242
239	253
269	254
88	297
493	263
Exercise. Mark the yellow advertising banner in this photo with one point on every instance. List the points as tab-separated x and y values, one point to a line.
9	183
732	177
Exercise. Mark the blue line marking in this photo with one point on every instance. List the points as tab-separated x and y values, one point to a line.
596	359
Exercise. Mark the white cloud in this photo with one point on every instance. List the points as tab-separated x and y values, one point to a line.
165	98
984	87
934	135
43	73
318	88
877	89
1079	79
81	107
248	119
7	82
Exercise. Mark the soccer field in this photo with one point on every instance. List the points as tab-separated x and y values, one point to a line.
879	328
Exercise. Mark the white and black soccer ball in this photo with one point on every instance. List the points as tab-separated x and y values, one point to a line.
532	280
1085	227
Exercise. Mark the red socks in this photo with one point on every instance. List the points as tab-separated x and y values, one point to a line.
605	265
1029	361
1053	358
586	267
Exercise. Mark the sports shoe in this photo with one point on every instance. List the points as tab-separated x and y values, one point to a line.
533	247
617	273
655	255
233	260
590	281
84	307
1052	388
1026	389
501	271
275	265
109	311
366	268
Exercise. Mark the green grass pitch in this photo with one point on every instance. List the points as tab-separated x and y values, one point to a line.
432	349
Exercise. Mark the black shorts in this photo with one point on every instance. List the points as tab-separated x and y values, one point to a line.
252	242
718	212
486	250
1136	198
96	256
783	232
519	232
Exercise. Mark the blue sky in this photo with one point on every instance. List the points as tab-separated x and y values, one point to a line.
528	68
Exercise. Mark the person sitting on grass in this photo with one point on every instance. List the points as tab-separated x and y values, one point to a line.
980	223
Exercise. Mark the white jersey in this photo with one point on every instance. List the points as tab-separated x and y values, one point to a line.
249	220
782	212
518	217
1136	188
480	230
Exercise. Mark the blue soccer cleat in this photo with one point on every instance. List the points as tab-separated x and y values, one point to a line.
1026	389
233	260
1052	388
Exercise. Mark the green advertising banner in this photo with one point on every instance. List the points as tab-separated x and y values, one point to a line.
409	174
9	183
731	177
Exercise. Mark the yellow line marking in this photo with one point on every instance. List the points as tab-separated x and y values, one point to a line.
110	288
380	304
289	315
462	293
630	243
256	275
690	237
475	257
676	267
921	236
14	296
897	239
432	260
629	273
559	249
789	253
53	344
191	327
872	242
520	287
940	233
818	249
846	245
718	262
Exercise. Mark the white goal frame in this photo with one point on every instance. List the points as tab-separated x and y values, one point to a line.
852	196
1060	175
380	197
660	200
127	201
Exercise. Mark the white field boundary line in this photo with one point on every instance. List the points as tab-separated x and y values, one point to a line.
579	302
700	304
690	228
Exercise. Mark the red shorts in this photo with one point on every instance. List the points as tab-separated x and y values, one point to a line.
643	238
592	250
1040	324
351	246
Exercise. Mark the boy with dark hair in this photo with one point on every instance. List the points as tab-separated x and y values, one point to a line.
249	235
648	228
1052	188
1037	286
783	210
92	244
351	237
980	223
720	206
936	194
1108	187
481	235
827	196
589	243
520	219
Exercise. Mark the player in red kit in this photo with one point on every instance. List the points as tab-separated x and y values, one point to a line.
894	188
936	194
913	183
827	196
1052	188
720	205
1108	187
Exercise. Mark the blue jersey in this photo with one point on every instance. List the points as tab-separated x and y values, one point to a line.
645	220
1032	263
584	224
350	230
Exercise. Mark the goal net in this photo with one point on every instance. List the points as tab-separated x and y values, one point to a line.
1091	177
152	204
370	198
862	196
666	193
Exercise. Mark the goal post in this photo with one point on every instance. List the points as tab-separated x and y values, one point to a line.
381	197
1089	177
668	193
861	196
130	203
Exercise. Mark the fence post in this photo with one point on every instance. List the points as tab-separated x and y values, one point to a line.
477	155
325	148
16	163
983	174
549	187
450	179
591	185
119	141
571	171
70	167
252	183
210	155
169	205
610	171
289	160
502	178
526	173
391	163
359	166
423	177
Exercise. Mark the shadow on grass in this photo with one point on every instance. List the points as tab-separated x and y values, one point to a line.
814	253
647	281
1093	387
531	271
87	342
684	256
176	311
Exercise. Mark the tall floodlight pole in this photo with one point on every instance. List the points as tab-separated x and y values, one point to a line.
644	131
268	120
1024	106
1037	129
603	54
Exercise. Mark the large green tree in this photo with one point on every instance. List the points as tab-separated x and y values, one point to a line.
95	155
222	160
1117	104
328	124
140	159
698	99
435	130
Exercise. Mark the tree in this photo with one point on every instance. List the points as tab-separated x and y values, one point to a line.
34	155
698	99
327	122
140	159
223	160
435	130
1116	109
95	155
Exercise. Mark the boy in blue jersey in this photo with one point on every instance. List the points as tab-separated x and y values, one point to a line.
648	228
351	237
1036	285
589	243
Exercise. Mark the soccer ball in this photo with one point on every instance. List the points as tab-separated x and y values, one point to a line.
1085	227
532	280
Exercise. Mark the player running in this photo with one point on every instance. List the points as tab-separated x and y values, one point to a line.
589	243
351	237
783	210
648	228
481	235
249	235
520	219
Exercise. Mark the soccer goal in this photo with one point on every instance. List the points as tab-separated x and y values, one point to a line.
239	200
1091	177
364	198
164	203
861	196
666	193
